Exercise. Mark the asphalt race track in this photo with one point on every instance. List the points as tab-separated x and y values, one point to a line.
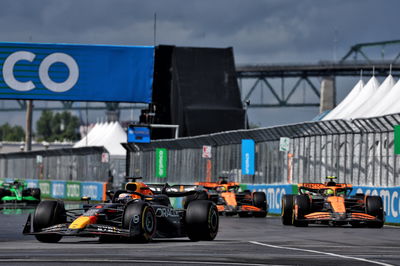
241	241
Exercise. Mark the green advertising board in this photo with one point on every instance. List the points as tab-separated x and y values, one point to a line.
161	162
73	190
396	139
45	188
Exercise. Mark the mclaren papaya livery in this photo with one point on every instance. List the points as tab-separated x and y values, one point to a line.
134	214
231	202
330	203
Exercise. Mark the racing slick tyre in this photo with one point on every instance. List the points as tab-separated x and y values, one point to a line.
201	220
35	192
374	207
260	201
147	222
302	204
48	213
287	209
199	195
2	194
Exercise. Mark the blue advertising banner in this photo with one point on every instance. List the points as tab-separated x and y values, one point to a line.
76	72
138	134
58	189
32	183
94	190
248	161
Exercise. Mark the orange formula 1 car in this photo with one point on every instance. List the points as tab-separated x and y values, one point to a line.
231	202
330	203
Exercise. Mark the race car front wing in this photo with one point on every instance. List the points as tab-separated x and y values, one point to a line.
90	230
342	217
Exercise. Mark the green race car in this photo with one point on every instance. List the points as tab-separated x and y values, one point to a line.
18	191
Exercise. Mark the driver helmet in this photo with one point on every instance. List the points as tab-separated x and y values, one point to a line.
329	192
124	197
221	189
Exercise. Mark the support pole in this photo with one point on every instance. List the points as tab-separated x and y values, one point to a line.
28	128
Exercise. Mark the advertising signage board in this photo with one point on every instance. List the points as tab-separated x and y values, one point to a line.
76	72
138	134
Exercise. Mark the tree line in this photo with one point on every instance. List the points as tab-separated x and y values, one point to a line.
50	127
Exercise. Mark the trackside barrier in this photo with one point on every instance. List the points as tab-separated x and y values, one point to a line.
68	190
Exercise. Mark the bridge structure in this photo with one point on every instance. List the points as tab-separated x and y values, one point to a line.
282	81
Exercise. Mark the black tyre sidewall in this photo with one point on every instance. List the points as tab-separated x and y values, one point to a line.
374	207
303	205
199	195
202	220
48	213
260	200
36	193
146	212
287	209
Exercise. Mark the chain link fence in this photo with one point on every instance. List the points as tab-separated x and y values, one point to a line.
83	164
359	151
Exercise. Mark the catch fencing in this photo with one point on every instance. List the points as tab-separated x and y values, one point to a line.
84	164
359	151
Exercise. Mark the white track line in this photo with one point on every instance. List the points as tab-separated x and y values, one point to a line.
323	253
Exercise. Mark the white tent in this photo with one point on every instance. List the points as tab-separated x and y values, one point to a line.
388	104
366	92
345	102
109	135
376	98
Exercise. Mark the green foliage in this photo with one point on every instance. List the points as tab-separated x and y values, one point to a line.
58	126
11	133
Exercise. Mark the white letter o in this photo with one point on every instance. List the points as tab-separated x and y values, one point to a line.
72	67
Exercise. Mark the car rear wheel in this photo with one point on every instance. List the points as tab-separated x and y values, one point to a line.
199	195
260	201
143	214
374	207
287	209
48	213
35	192
302	204
2	194
201	220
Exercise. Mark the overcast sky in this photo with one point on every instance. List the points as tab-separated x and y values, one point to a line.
260	32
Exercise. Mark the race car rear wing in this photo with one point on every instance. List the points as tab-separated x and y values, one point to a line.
322	186
158	188
213	185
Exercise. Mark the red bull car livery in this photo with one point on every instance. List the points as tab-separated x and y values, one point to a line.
136	213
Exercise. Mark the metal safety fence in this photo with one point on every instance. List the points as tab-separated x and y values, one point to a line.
84	164
359	151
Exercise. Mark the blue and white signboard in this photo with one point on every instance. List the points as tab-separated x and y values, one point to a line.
76	72
58	189
248	155
138	134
